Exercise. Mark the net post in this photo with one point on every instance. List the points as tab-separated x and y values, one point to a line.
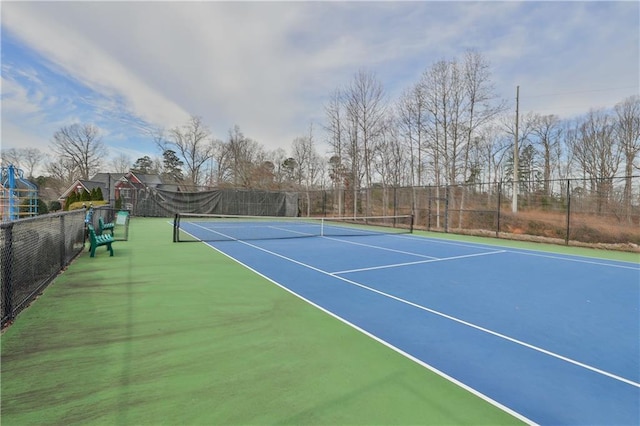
322	226
176	224
411	223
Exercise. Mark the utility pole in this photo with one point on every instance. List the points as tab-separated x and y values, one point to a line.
109	197
516	172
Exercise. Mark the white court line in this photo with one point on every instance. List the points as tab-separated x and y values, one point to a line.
527	252
591	262
452	318
381	248
416	262
306	234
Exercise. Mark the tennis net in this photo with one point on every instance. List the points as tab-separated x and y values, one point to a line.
211	227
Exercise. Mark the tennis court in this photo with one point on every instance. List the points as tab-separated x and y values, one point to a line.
181	334
549	338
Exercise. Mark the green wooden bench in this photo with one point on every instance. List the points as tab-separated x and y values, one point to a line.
99	240
102	226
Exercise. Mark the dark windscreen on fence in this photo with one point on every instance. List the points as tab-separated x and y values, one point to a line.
163	203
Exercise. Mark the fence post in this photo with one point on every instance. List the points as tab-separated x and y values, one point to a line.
566	240
324	203
429	203
395	201
63	245
414	207
499	202
7	266
446	209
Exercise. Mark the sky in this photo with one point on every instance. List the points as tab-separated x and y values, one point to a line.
271	67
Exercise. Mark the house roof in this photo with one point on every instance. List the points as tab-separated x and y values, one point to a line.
104	177
169	187
149	180
90	185
106	181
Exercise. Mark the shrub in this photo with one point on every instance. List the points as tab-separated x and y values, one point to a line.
54	206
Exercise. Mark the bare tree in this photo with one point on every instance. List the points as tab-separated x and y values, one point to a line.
24	158
410	110
194	144
32	158
525	130
391	159
598	153
336	131
444	89
494	147
367	102
479	106
221	170
263	174
121	163
238	157
576	161
82	145
366	108
63	172
443	84
477	110
13	156
306	163
547	133
459	100
627	129
278	158
299	159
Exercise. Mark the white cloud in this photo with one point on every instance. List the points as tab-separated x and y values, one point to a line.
16	98
16	136
269	66
73	51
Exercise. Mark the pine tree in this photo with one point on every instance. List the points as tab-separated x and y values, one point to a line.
143	165
172	166
72	198
98	195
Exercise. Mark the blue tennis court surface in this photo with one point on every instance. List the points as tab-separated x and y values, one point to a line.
553	339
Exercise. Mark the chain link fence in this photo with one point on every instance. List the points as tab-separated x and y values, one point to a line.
32	252
604	211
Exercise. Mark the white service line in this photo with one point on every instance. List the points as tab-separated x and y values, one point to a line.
568	259
416	262
380	248
529	252
305	234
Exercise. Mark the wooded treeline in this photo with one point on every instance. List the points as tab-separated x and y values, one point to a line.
449	127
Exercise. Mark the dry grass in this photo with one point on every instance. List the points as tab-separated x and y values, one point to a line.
585	230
